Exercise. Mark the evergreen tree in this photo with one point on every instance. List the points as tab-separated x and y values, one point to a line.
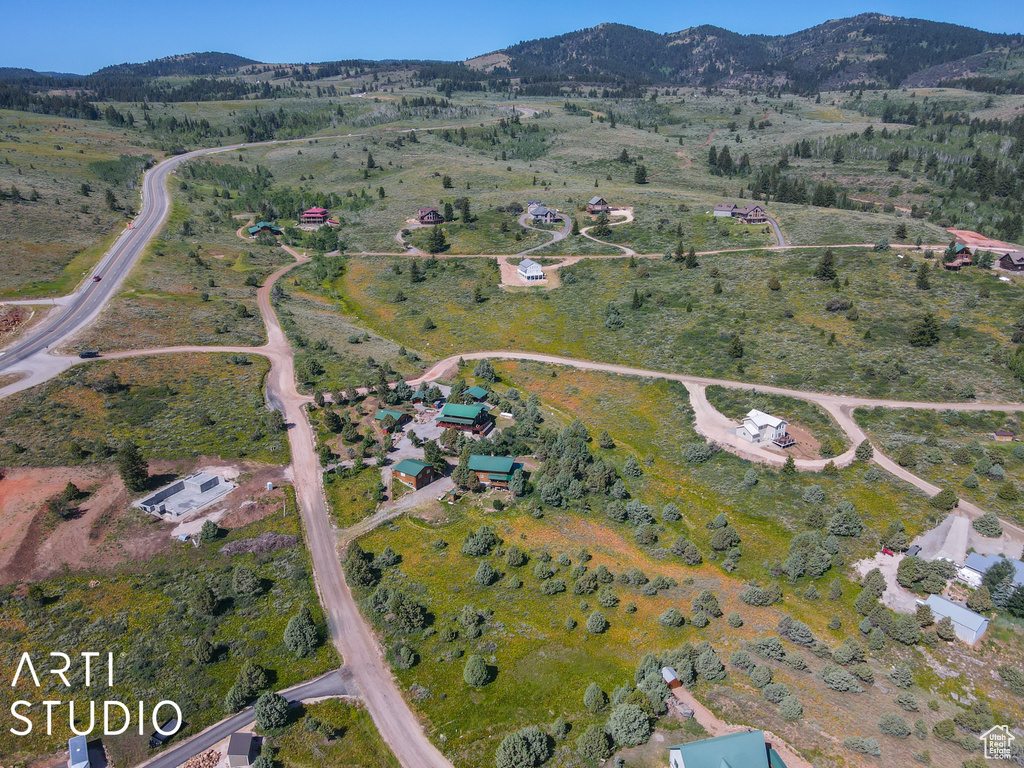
922	282
826	269
925	333
300	634
640	174
134	469
475	673
690	262
271	711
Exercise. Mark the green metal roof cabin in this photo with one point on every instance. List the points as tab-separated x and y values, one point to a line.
477	393
493	470
747	749
264	225
473	418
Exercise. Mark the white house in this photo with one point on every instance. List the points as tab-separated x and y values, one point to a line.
968	625
760	427
976	565
529	269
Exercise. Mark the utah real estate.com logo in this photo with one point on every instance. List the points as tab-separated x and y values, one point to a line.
997	741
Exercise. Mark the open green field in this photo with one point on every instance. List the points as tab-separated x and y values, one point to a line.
51	242
934	436
148	616
173	406
684	326
540	665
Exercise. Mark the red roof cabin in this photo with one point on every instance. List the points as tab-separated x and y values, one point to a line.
317	216
429	216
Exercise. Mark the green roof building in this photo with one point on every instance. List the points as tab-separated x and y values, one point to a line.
264	226
399	417
414	473
477	393
493	470
469	418
747	749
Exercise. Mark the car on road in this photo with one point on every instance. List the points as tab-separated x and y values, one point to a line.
96	278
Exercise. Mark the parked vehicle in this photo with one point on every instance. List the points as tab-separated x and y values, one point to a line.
887	551
914	550
89	353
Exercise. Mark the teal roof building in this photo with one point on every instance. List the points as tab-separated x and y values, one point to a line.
747	749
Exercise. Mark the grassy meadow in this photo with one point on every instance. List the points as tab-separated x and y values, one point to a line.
789	338
173	406
51	242
933	438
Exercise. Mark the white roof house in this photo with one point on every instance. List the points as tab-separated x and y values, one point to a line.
969	626
529	269
759	427
78	752
977	564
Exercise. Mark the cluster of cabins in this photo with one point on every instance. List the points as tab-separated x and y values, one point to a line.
1012	261
751	213
492	471
475	418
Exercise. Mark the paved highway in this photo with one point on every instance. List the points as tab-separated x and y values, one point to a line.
82	306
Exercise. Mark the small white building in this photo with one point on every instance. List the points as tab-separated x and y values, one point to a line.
760	427
529	269
724	210
968	625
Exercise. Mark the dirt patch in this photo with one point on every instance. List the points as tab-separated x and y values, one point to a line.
106	532
807	445
978	240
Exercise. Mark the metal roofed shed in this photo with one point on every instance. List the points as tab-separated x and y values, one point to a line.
977	564
241	750
969	626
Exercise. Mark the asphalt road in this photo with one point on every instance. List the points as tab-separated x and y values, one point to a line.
336	683
780	239
81	307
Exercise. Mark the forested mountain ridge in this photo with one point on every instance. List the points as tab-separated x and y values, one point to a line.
187	64
869	49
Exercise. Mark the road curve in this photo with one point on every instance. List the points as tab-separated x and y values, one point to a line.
334	683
